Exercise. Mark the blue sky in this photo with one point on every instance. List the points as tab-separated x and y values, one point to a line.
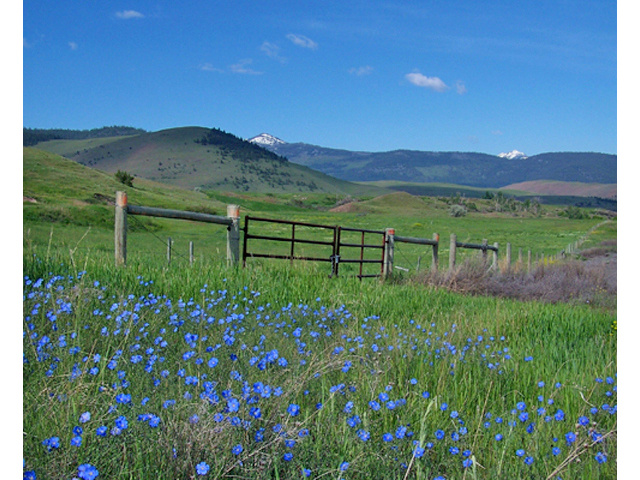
486	76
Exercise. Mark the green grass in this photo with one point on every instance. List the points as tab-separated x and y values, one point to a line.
479	355
415	330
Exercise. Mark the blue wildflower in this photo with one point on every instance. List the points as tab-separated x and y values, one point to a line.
202	468
293	409
237	450
600	457
86	471
570	437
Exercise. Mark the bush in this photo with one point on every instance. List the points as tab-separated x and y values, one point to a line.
125	178
457	210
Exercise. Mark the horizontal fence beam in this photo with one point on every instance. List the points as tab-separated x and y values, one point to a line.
289	222
417	241
178	214
476	246
288	257
289	239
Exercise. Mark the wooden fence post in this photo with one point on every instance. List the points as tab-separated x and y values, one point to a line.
434	253
389	244
233	235
452	251
121	228
485	242
494	263
190	253
169	242
508	256
529	261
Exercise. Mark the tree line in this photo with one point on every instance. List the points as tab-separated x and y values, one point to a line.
32	136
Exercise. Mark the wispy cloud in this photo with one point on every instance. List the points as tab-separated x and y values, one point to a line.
460	87
433	83
302	41
272	50
208	67
242	67
128	14
360	71
73	45
497	132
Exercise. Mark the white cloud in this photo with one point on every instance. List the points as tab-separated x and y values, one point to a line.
73	45
241	67
272	50
460	87
420	80
208	67
497	132
361	71
302	41
128	14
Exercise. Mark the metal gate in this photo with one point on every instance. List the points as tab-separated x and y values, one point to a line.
334	247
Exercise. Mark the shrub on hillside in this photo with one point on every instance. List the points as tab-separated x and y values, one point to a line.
125	178
457	210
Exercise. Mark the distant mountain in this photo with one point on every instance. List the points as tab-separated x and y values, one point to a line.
462	168
513	155
265	139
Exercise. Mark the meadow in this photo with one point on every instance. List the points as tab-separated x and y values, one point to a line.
277	371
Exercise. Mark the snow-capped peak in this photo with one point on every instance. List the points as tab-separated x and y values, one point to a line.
513	155
266	139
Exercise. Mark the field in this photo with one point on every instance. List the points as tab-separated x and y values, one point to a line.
182	370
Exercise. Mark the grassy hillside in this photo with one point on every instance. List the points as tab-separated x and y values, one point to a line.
196	157
549	187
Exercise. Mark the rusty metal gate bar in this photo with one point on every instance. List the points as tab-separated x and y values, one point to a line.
293	240
362	245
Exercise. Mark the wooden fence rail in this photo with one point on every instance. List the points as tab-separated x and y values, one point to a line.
122	209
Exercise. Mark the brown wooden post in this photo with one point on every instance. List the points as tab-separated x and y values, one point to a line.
452	251
508	256
121	228
233	235
434	252
389	243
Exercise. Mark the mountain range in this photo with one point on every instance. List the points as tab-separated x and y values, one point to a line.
213	160
463	168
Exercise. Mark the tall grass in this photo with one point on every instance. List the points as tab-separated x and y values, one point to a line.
162	372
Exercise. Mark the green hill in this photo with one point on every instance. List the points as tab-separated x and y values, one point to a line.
197	157
57	189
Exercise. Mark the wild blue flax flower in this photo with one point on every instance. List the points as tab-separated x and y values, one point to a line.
86	471
293	409
600	457
202	468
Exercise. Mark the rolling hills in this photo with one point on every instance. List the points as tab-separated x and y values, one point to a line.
213	160
197	157
461	168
